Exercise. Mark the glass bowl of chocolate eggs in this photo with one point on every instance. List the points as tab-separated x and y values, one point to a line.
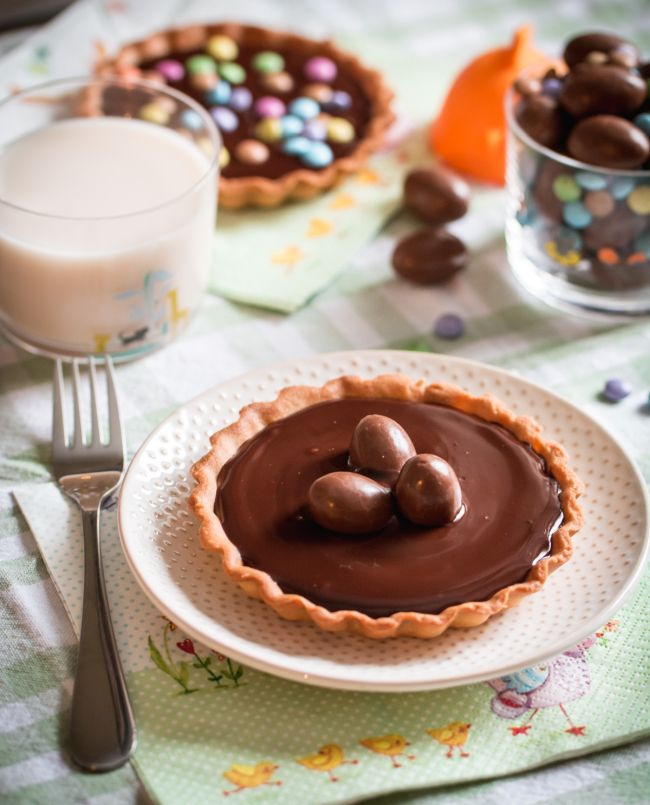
578	179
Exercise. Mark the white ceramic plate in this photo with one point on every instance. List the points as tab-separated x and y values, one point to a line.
159	537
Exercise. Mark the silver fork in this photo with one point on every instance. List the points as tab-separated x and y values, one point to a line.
102	734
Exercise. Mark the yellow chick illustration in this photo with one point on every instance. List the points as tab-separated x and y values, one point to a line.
453	736
328	758
250	776
392	746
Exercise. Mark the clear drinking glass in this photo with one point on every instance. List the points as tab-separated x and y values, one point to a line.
578	236
108	194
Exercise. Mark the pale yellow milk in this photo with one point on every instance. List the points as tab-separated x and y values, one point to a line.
105	233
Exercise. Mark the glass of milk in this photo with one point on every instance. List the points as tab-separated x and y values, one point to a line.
108	194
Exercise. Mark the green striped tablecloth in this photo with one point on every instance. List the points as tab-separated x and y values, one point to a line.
366	308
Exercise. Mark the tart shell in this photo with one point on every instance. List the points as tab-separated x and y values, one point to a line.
258	584
299	184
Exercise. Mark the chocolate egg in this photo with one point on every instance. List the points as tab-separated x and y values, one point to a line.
609	142
603	89
380	444
428	491
540	117
429	256
436	195
578	48
349	503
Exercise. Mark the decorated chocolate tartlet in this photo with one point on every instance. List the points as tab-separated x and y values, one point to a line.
386	506
295	114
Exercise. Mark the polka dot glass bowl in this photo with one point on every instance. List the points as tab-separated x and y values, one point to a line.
578	236
160	540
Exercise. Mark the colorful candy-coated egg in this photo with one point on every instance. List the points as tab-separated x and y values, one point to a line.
269	129
241	99
319	155
232	72
268	106
566	188
267	62
616	389
191	120
320	68
349	503
224	157
278	82
428	491
449	326
171	70
576	215
321	93
339	102
200	63
296	146
380	444
153	113
622	187
599	203
204	81
551	87
340	130
252	152
219	94
291	125
166	103
315	129
222	48
306	108
643	122
225	118
639	200
590	181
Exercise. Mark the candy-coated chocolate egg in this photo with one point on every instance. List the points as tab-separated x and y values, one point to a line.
306	108
191	120
296	146
339	102
232	72
602	90
315	129
204	81
241	99
268	106
268	62
269	129
578	48
278	82
639	200
428	491
200	63
540	117
320	68
251	152
349	503
222	48
379	444
319	155
154	113
225	118
599	203
291	125
429	256
340	130
171	69
321	93
435	195
608	141
219	94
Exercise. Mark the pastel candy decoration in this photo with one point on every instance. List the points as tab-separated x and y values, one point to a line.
278	82
469	132
576	215
320	68
222	48
319	155
224	157
339	102
171	70
200	64
321	93
291	125
306	108
204	81
232	72
153	113
219	94
590	181
225	118
315	129
639	200
191	120
269	129
296	146
268	62
252	152
340	130
269	106
241	99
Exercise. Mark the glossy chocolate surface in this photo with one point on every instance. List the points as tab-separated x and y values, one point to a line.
429	256
512	508
278	163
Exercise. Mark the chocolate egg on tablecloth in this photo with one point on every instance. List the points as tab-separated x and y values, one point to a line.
380	444
349	503
428	491
436	195
429	256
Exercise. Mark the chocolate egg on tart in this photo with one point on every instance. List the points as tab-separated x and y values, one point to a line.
386	507
295	114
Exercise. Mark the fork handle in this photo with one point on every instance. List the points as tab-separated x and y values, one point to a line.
102	734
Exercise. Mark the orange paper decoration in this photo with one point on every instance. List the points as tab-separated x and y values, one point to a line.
469	133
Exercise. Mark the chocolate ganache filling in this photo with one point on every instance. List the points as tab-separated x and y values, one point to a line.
512	508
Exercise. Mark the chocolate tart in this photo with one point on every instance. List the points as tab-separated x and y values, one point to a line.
520	500
281	176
